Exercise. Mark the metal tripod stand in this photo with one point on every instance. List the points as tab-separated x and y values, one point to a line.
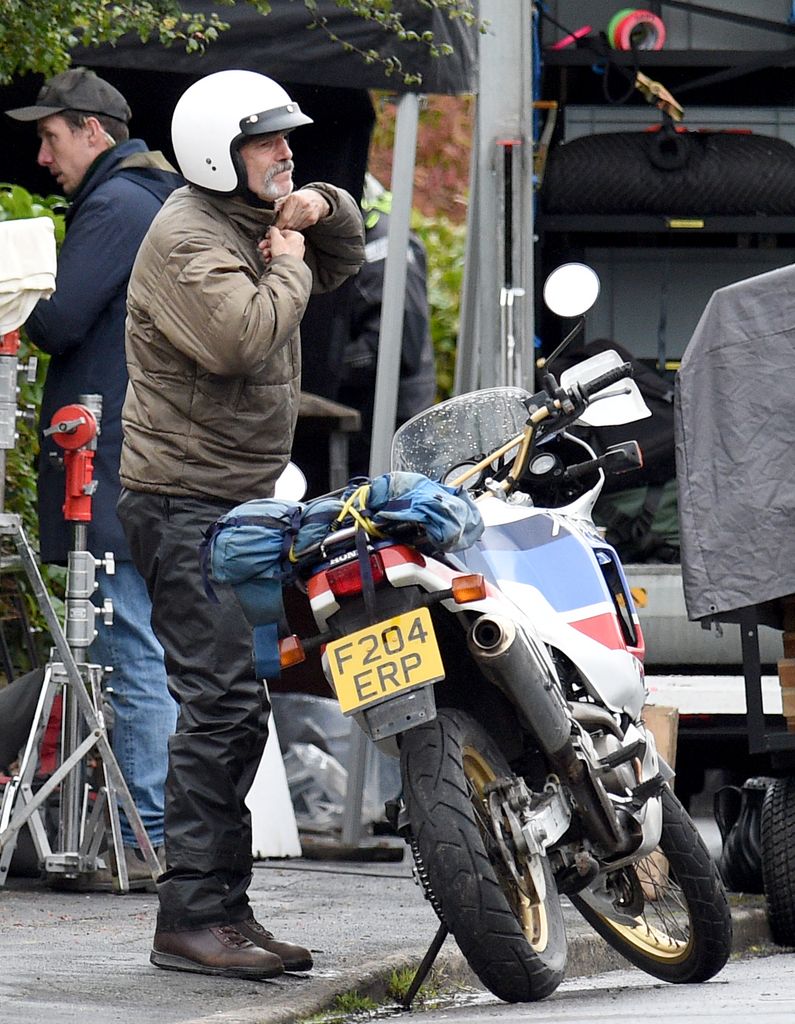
84	817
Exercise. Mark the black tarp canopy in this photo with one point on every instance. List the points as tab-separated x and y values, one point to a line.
282	46
328	81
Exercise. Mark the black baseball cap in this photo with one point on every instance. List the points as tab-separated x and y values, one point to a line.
76	89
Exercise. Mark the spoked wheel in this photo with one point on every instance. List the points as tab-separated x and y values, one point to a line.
513	940
682	928
778	859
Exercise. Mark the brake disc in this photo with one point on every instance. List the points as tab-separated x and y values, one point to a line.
504	799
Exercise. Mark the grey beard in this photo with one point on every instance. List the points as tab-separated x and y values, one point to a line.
268	190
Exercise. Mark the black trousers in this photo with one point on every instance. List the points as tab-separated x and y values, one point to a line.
222	725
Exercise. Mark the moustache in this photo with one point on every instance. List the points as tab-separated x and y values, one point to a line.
280	168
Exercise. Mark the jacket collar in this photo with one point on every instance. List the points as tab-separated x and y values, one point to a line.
104	167
249	219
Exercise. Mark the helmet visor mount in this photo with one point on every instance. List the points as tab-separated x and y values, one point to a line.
278	119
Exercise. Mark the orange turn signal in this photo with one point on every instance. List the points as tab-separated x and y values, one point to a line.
468	588
291	651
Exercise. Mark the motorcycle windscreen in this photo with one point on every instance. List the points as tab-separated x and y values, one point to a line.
459	431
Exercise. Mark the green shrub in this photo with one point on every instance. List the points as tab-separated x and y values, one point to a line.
444	241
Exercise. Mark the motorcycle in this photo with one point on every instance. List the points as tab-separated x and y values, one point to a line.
508	679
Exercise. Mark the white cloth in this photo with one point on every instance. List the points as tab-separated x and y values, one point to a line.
27	268
274	832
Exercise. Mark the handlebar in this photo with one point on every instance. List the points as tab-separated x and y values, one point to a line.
613	376
565	405
581	469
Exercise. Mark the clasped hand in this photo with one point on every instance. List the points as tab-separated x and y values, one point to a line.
295	213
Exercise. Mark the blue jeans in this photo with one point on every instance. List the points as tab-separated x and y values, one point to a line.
145	713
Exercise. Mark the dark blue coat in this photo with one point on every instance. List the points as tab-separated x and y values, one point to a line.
82	327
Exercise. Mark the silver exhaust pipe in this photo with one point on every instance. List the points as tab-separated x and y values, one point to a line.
510	660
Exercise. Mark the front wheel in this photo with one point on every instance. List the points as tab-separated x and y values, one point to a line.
682	930
514	941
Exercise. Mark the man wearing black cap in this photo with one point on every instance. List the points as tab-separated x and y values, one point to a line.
116	187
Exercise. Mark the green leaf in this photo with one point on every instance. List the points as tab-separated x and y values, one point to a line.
39	35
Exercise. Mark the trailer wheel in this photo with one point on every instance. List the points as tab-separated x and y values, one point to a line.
778	859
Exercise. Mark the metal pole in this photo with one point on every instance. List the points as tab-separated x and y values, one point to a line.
390	341
390	337
467	361
72	789
504	110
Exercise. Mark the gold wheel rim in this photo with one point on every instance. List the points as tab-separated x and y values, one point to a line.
652	942
659	932
531	915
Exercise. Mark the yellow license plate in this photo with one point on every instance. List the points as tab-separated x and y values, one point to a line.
382	660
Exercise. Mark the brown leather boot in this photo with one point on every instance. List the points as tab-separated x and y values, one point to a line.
218	949
294	958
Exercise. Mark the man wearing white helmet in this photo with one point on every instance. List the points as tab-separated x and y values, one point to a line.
216	297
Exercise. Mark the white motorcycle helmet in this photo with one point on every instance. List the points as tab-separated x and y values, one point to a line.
216	114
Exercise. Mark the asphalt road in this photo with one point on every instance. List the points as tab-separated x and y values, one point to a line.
761	989
71	958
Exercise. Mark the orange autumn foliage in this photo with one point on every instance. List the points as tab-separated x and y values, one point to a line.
444	142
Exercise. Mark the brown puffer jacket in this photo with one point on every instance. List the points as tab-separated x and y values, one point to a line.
213	346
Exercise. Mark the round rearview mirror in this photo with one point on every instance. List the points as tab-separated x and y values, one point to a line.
571	289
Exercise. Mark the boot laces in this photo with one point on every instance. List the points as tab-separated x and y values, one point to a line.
232	937
255	926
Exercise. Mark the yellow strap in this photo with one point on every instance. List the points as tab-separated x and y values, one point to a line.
353	507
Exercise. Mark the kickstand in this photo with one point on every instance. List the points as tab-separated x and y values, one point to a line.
425	966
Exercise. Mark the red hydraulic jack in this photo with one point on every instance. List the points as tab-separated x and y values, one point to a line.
83	822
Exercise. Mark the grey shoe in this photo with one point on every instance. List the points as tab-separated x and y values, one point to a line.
138	874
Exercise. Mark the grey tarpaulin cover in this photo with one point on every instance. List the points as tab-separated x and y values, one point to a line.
735	448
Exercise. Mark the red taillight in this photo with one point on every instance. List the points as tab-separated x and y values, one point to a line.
346	580
400	555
